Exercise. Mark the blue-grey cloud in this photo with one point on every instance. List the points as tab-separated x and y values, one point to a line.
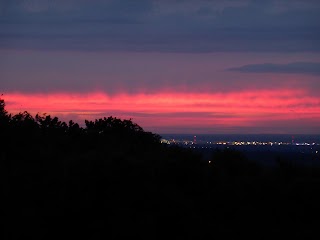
312	68
165	26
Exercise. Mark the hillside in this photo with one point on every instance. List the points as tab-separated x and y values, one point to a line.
112	179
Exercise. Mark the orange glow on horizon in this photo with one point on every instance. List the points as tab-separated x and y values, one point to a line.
238	109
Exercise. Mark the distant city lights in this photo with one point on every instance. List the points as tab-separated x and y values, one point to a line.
235	143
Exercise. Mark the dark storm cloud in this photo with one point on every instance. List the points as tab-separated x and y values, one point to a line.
312	68
165	26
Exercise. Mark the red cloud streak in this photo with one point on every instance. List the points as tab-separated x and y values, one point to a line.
253	109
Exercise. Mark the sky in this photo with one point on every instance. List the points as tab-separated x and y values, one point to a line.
178	66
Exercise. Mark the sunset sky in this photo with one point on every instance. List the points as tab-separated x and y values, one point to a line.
178	66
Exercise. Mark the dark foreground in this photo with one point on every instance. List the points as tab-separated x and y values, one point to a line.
113	180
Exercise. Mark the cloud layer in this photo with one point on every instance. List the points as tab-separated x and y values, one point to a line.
285	111
163	26
312	68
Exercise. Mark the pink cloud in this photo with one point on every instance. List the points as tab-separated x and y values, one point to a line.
250	109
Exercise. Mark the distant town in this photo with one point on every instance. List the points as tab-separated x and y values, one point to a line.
233	143
312	147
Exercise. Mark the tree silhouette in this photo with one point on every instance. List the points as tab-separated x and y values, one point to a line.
49	125
4	116
74	129
4	128
112	125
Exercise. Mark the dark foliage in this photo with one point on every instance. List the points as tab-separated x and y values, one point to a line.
113	180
